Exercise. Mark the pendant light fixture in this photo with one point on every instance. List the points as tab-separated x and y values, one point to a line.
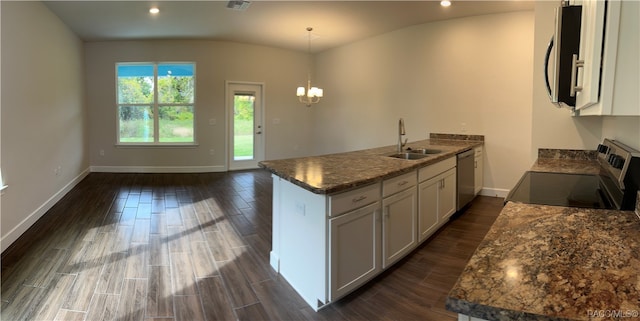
309	95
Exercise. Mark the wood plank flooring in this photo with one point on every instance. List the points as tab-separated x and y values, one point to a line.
156	247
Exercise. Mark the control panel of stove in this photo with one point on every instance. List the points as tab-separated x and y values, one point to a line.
615	158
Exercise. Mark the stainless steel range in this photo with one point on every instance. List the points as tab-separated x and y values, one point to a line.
615	187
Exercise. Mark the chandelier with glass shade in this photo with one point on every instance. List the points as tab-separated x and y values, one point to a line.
309	95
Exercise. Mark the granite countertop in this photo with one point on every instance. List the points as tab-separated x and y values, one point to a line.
333	173
540	262
566	161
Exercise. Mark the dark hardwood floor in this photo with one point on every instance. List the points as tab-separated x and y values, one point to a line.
193	247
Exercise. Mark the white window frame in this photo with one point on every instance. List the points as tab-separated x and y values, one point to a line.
155	105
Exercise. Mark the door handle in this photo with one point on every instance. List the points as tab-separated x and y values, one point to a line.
259	132
575	64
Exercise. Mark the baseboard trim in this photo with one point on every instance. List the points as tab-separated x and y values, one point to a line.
157	169
25	224
274	260
494	192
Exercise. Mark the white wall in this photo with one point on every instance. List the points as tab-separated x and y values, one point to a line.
624	129
467	76
216	62
43	114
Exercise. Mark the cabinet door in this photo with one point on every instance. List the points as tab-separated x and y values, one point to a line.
478	174
447	195
428	208
398	225
355	249
591	39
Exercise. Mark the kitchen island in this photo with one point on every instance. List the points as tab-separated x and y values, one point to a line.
333	173
341	219
541	262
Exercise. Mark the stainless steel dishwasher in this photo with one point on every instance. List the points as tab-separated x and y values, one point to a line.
465	175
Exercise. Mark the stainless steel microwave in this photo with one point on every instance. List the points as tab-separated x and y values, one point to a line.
566	40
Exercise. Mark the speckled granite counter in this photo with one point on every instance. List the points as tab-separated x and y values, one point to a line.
552	263
541	262
566	161
327	174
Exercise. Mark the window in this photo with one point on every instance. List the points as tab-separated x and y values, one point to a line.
155	103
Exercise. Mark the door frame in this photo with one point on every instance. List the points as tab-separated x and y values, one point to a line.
259	150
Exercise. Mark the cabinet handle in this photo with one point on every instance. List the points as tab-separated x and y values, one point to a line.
403	183
358	199
575	64
475	164
443	183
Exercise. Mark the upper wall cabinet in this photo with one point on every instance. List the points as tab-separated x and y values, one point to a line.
607	68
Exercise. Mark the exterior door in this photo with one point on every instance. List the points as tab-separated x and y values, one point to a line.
244	110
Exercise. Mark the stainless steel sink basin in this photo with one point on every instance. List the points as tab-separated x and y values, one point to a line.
425	151
409	155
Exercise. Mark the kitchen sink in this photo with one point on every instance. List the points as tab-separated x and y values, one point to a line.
409	155
424	151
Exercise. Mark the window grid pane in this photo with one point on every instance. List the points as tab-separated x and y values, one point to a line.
135	84
172	110
136	124
175	124
175	84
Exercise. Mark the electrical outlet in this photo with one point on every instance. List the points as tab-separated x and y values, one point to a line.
212	152
102	152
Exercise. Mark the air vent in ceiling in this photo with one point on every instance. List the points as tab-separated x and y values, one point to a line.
239	5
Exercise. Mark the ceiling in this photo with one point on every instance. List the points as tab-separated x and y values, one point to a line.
279	24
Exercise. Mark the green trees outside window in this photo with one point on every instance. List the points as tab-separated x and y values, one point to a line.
155	103
243	125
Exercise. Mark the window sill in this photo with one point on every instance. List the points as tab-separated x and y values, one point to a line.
195	145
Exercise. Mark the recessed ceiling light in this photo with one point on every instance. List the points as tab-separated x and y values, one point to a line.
154	10
445	3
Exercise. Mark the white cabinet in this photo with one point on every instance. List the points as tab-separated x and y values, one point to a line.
354	239
399	218
428	221
478	173
609	47
354	255
447	195
326	246
348	201
463	317
436	196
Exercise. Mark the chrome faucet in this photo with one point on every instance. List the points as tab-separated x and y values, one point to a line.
401	132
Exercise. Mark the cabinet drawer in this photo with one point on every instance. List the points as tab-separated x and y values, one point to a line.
347	201
399	183
432	170
478	151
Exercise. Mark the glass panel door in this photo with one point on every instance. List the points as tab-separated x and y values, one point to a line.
245	125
